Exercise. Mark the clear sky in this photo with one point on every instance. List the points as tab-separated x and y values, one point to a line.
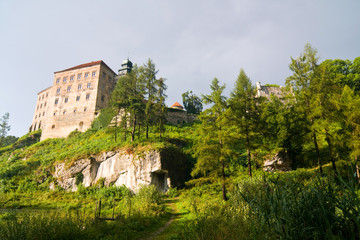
190	41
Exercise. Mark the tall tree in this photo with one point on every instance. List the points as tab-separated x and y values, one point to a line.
160	106
243	112
302	81
129	96
4	128
148	75
192	103
212	149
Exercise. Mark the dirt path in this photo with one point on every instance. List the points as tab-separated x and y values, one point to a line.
171	204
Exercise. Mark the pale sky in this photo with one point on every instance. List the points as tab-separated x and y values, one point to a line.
191	42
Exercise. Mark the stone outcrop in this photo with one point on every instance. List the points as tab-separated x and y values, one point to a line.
281	161
161	168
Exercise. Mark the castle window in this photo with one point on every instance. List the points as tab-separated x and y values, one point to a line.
89	85
86	75
47	94
43	113
37	107
66	100
64	112
39	124
80	86
39	115
88	96
57	80
78	98
54	113
42	97
36	116
69	88
72	78
56	101
40	105
79	76
94	73
75	110
45	104
102	98
58	90
39	98
64	79
104	75
85	109
53	126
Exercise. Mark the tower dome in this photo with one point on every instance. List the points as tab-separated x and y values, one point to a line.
126	67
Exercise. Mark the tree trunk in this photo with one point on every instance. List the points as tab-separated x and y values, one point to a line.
133	130
223	174
116	120
327	138
317	152
248	154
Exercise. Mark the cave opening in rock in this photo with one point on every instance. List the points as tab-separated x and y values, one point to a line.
159	179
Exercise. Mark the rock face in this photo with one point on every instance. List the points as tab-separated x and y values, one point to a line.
160	168
281	161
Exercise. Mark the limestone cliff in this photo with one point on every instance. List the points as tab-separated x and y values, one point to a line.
162	168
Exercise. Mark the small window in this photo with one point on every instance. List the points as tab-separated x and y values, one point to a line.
64	79
43	113
40	105
45	104
85	109
36	116
86	75
89	85
53	126
75	110
64	112
69	88
54	113
39	115
79	76
72	78
104	75
57	80
66	100
47	94
88	96
78	98
80	86
37	107
58	90
42	97
56	101
102	98
93	74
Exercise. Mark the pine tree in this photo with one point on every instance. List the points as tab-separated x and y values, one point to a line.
212	149
244	114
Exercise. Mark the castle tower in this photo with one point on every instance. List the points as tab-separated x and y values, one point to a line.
126	67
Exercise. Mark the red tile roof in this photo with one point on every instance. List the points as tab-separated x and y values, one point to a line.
177	105
90	64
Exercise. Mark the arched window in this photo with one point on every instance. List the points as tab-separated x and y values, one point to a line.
81	124
53	126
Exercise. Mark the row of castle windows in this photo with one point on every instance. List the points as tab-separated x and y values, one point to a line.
87	97
69	88
65	111
72	77
81	124
36	116
43	96
40	106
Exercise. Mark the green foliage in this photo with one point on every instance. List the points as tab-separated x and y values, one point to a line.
192	103
104	118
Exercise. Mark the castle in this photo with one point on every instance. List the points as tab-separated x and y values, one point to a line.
73	100
76	96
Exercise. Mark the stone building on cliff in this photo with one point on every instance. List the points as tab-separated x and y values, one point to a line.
73	100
